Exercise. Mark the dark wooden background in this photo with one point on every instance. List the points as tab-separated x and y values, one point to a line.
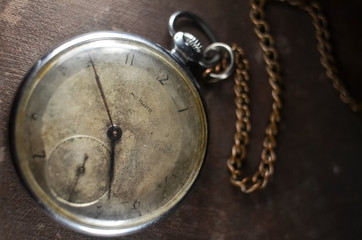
316	192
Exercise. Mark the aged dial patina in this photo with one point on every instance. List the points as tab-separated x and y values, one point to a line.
108	132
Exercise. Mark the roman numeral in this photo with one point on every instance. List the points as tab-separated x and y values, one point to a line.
40	155
182	110
129	59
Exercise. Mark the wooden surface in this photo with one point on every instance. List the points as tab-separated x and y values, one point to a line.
316	190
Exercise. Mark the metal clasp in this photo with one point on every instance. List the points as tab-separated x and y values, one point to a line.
188	48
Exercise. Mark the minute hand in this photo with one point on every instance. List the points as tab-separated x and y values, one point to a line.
99	84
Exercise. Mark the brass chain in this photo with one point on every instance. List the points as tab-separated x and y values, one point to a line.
241	78
324	48
243	126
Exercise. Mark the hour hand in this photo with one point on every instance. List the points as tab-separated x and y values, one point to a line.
114	133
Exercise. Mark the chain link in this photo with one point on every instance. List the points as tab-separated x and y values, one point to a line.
327	59
239	150
241	80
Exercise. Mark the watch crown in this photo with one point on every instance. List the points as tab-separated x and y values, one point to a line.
193	42
187	47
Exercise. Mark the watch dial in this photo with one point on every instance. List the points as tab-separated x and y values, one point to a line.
109	133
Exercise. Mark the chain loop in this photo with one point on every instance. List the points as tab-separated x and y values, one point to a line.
241	89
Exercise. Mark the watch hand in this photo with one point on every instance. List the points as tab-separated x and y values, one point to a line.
101	91
114	133
111	168
80	171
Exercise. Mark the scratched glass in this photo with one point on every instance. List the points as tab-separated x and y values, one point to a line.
108	133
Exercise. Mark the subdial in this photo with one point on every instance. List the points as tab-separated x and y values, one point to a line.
78	169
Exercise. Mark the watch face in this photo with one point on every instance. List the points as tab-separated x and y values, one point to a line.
108	133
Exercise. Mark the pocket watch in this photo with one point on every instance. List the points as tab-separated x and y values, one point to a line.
108	131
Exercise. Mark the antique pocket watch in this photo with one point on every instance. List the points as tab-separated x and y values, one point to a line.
108	131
